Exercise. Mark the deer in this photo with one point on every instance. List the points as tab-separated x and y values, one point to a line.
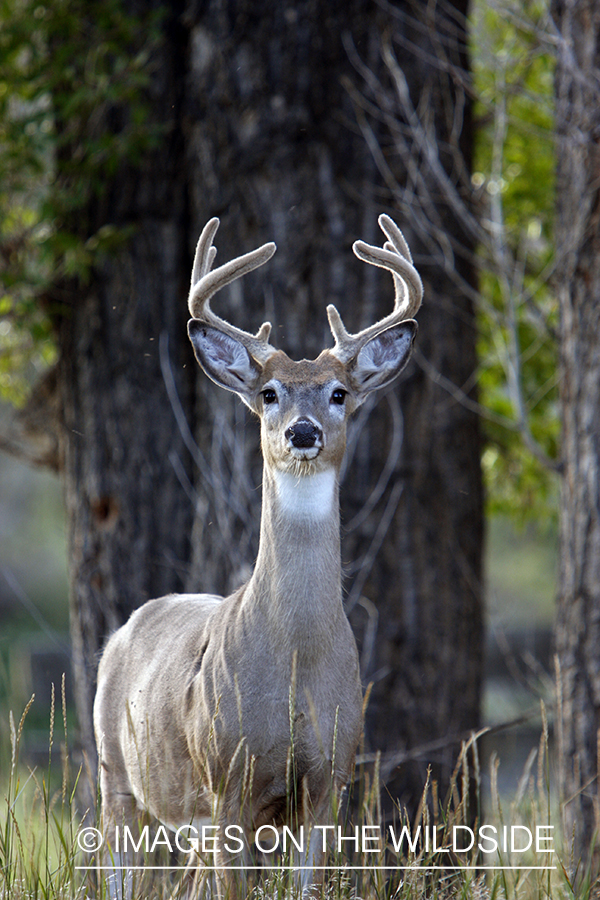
246	710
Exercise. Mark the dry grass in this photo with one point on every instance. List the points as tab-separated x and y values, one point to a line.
41	857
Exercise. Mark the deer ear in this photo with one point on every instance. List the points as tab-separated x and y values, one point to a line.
382	358
224	359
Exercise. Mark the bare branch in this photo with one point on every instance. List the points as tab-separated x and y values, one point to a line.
433	172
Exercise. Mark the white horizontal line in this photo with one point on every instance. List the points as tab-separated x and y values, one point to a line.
414	868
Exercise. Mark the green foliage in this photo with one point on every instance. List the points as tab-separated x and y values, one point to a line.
513	71
73	109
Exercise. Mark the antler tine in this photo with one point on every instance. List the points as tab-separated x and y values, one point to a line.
395	236
205	252
206	283
394	256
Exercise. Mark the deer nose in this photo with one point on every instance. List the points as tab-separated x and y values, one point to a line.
303	433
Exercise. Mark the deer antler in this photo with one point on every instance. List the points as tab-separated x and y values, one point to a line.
394	256
206	283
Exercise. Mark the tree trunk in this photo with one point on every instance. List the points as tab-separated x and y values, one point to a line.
129	517
276	153
578	285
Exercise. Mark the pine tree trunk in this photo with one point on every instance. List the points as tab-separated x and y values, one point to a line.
578	285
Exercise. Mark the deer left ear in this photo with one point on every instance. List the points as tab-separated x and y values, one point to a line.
224	359
382	358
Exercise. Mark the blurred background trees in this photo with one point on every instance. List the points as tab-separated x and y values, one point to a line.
578	288
125	127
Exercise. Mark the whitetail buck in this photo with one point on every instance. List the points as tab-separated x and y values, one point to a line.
247	710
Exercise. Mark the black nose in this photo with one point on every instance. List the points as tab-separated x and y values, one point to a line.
303	433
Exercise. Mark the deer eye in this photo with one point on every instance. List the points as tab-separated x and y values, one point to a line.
269	396
338	397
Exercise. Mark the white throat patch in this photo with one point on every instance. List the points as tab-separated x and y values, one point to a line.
306	496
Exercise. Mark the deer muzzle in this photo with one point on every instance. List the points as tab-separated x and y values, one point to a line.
304	434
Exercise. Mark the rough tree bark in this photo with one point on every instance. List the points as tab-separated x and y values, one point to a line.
129	518
578	286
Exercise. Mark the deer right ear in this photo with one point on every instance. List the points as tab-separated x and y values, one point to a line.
225	360
382	358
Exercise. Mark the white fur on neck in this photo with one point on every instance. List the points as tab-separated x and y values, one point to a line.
306	496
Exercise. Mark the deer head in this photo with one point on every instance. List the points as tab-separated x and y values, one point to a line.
303	406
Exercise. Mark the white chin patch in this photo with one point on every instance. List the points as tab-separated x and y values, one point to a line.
306	496
305	452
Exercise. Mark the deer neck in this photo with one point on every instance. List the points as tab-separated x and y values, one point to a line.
297	579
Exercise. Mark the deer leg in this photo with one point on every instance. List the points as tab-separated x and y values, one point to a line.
198	880
119	878
230	875
116	864
223	870
309	875
119	812
230	861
